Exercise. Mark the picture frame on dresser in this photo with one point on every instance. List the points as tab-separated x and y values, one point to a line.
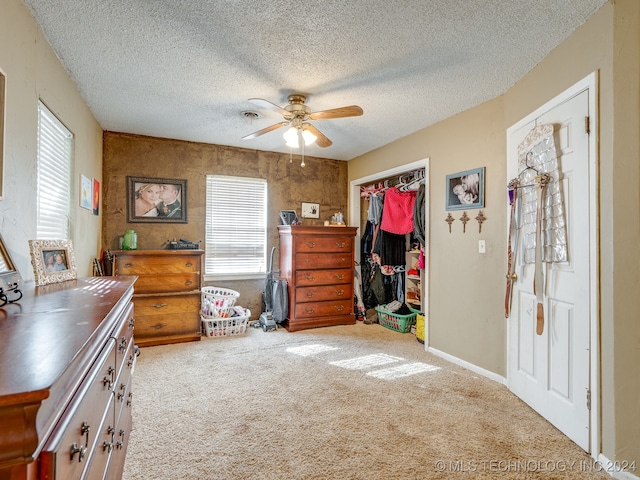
53	261
156	200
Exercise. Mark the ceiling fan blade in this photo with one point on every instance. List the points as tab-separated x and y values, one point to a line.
264	130
321	140
351	111
261	102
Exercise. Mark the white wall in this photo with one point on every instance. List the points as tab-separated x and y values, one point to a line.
34	72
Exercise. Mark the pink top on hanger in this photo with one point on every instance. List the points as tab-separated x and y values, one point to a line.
397	212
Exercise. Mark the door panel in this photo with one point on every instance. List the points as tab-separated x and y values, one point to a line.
550	372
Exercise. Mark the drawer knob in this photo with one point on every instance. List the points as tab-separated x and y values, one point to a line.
130	399
81	451
159	305
132	322
310	244
188	264
158	326
310	277
119	445
131	360
188	282
107	382
310	294
340	276
309	310
107	446
128	265
339	308
341	245
339	292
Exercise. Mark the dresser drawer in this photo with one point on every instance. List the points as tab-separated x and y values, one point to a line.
184	282
124	339
323	277
324	244
324	309
122	387
75	440
166	304
149	326
156	264
323	260
322	293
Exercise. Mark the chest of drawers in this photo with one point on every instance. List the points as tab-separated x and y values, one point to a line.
318	264
167	293
66	362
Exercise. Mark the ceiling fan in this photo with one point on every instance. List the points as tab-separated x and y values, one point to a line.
297	115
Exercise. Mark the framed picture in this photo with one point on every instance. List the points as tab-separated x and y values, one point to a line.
96	197
310	210
465	190
160	200
53	261
288	217
85	192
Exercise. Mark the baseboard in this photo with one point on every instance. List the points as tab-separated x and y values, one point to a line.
615	469
469	366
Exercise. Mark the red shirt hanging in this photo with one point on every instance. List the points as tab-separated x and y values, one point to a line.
397	212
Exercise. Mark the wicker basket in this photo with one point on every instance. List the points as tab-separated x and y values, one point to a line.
395	321
217	302
223	327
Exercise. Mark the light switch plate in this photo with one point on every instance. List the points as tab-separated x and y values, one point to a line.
482	248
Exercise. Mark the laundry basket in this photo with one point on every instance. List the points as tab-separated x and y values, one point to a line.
395	321
217	302
223	327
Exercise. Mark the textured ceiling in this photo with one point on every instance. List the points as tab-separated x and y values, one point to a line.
185	69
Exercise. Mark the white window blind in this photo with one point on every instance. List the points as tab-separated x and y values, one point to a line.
236	218
55	148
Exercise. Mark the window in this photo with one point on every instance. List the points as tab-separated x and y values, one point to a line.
55	147
236	225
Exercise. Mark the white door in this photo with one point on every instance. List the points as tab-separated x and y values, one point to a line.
550	372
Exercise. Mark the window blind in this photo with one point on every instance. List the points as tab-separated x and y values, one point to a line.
55	147
236	226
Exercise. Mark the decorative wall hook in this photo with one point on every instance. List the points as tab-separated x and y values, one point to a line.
464	219
449	220
480	218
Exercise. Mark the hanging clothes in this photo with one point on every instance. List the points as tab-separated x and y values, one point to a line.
418	215
397	214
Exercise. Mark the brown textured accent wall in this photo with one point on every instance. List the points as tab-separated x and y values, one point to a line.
321	181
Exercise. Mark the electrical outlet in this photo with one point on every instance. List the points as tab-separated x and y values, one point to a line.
482	248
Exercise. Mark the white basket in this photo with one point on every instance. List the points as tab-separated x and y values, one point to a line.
217	302
222	327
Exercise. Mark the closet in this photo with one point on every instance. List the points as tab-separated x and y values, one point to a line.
392	245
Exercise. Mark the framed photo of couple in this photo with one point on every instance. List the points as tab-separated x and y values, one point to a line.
159	200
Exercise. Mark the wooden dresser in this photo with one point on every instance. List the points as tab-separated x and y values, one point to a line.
167	294
318	264
66	364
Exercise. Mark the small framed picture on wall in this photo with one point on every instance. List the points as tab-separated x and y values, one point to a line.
465	190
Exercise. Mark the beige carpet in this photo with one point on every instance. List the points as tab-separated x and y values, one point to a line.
354	402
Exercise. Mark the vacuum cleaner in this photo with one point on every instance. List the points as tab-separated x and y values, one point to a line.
275	300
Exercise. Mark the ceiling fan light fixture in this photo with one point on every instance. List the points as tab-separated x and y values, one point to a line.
308	137
291	137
